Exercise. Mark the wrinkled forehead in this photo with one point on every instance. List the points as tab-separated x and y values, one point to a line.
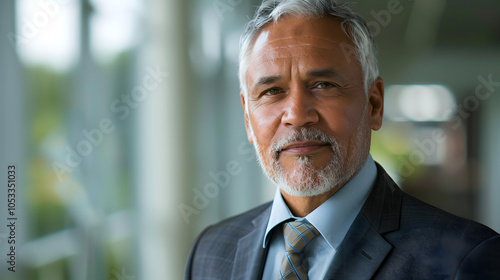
290	28
265	49
295	37
301	36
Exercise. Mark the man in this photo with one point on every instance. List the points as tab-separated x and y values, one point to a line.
311	96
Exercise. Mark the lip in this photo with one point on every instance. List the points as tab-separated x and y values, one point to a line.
304	147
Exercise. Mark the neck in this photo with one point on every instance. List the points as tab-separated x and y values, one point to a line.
301	206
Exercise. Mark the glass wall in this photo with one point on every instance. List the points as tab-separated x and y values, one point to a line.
124	125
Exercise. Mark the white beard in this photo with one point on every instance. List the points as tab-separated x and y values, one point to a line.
307	180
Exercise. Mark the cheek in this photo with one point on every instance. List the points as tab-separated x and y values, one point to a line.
343	122
265	123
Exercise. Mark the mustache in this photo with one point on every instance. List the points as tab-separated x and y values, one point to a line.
302	134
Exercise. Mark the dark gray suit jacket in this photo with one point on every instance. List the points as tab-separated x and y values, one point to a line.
395	236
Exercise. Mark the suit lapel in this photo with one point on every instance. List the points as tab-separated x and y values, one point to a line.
360	254
250	256
364	249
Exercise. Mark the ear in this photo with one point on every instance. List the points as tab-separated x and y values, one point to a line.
247	124
376	103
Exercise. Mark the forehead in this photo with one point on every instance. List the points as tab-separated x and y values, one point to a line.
319	41
292	26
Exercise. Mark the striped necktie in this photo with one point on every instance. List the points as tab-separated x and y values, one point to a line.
297	236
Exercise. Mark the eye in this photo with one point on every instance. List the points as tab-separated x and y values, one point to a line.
271	92
323	85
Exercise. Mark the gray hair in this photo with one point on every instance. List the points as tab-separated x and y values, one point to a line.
352	24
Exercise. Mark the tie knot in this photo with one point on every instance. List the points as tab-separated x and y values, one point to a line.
298	235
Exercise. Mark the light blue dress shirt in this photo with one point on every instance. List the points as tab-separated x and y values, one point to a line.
333	219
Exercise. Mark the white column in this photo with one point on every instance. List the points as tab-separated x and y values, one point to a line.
161	144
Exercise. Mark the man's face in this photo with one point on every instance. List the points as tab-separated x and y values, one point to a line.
306	110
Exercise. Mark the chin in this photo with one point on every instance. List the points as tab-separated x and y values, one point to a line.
308	181
305	192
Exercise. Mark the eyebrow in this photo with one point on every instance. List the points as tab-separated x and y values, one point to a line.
325	73
320	73
267	80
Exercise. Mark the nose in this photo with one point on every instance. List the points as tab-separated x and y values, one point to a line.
300	109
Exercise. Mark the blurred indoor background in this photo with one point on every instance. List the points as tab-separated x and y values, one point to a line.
123	119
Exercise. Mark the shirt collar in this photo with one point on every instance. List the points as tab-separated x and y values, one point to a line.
341	208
